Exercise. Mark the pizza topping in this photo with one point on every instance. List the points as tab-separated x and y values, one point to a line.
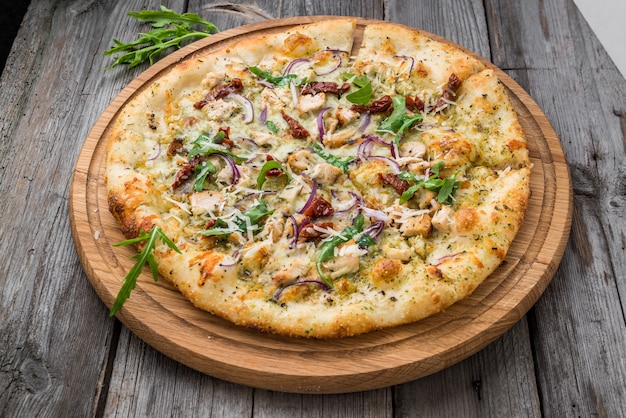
309	103
443	219
318	208
296	130
420	225
186	172
363	95
328	248
271	168
313	232
280	81
339	162
394	181
381	105
200	172
399	121
443	187
316	87
415	103
176	148
219	92
449	92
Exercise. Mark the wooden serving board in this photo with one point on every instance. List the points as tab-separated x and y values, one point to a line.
160	315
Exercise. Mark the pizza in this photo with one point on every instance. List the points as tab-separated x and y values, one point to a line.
318	187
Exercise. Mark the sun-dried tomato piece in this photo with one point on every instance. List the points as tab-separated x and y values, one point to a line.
220	91
318	208
394	181
296	130
377	106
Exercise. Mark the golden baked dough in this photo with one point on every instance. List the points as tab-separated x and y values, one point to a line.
317	194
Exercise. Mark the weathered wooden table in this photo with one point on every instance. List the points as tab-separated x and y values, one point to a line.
60	354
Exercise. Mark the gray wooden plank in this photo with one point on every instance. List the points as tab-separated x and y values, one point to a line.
496	382
460	21
146	383
48	311
579	333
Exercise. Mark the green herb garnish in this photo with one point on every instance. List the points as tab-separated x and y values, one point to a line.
363	95
398	121
145	256
332	159
200	173
205	145
271	126
443	187
327	249
240	223
169	30
279	81
269	165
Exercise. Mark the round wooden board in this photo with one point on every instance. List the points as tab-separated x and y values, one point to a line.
160	315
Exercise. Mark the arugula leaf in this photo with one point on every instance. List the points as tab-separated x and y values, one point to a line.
166	17
327	249
253	215
201	171
271	126
364	94
267	167
443	187
398	121
332	159
280	81
145	256
204	144
169	30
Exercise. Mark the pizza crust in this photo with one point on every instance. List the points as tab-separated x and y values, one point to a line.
429	254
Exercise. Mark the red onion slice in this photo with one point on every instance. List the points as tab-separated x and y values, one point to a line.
320	123
263	116
337	55
407	58
311	197
375	229
156	153
323	285
246	105
233	168
295	63
367	117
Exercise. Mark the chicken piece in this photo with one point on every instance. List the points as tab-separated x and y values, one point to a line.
300	160
341	265
308	102
212	79
443	220
206	201
385	271
262	138
412	149
399	251
220	110
419	225
345	115
291	271
337	139
326	174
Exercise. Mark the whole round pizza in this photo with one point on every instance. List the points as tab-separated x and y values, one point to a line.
306	186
